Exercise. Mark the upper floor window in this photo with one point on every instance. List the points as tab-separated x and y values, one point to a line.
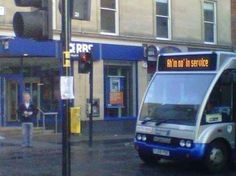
209	9
54	14
109	16
163	25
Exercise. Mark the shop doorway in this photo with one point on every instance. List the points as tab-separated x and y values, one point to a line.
120	91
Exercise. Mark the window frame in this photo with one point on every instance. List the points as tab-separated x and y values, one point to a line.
209	22
168	19
54	14
116	11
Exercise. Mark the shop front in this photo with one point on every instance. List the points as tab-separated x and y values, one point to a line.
25	68
119	80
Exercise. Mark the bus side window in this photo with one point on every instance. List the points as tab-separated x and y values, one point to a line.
219	106
234	96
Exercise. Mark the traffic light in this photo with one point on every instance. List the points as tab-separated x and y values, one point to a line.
36	24
85	62
81	9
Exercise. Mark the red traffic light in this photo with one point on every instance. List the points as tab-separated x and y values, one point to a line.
85	57
85	62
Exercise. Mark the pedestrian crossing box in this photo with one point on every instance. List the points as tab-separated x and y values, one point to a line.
75	120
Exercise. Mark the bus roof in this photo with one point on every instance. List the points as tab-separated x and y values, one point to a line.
193	61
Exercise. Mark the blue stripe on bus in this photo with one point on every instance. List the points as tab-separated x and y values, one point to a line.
195	153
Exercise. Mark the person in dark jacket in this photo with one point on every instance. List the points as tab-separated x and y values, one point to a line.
27	111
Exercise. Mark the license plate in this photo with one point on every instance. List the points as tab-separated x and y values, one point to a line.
161	152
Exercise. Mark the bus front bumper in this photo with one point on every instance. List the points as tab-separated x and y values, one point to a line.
196	152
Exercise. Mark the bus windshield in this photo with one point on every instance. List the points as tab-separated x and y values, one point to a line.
175	98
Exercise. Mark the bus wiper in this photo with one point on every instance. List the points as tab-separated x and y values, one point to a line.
165	120
146	120
157	121
162	121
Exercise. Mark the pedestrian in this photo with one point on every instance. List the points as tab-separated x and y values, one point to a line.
27	111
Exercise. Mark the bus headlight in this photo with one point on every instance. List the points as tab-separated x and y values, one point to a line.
182	143
139	137
188	144
144	137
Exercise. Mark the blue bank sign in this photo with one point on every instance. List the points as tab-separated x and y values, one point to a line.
18	47
76	48
107	51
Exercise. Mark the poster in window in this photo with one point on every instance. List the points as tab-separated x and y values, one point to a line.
115	91
115	84
117	98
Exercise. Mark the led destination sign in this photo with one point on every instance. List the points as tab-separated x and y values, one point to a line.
206	62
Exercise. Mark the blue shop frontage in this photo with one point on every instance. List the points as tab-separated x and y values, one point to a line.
27	65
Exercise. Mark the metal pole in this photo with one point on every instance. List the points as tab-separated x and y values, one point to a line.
56	123
91	104
44	126
65	39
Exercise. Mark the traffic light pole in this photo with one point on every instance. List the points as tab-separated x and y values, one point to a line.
91	104
65	39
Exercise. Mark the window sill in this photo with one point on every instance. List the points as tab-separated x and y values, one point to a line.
108	33
159	38
210	43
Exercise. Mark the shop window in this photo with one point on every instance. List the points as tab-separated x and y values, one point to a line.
120	96
109	16
43	86
163	24
209	22
50	91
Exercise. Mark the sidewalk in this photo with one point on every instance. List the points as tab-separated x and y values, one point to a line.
51	139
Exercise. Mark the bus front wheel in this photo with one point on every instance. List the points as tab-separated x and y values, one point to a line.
216	157
149	159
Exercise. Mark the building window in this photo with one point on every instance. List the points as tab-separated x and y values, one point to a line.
209	22
54	14
163	24
109	16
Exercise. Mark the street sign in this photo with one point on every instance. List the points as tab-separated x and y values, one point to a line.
67	87
152	52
